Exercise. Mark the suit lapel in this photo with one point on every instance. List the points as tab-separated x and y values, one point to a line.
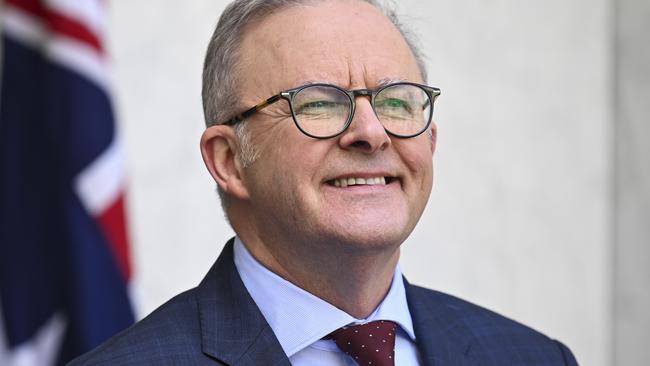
442	339
233	330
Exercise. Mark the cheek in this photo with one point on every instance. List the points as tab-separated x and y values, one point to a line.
418	158
420	166
294	165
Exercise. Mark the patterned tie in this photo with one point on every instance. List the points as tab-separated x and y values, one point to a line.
368	344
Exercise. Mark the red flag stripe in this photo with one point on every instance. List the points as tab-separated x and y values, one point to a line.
113	224
31	6
59	23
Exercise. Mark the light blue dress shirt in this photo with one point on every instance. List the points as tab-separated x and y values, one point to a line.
300	320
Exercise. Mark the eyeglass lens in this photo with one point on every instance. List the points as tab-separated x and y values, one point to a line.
323	111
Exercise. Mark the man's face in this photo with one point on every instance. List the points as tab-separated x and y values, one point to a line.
291	185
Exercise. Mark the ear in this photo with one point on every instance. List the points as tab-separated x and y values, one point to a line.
220	152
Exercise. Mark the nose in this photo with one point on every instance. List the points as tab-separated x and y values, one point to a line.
365	133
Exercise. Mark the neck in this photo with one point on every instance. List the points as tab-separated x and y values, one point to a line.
355	281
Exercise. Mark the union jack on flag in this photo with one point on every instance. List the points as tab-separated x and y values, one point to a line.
64	258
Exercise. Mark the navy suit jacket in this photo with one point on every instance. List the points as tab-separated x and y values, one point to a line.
218	323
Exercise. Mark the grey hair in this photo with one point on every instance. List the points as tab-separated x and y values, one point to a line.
220	73
220	92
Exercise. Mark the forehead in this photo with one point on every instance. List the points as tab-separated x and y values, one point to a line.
348	43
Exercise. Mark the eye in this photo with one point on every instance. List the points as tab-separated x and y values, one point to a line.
316	104
320	108
393	108
394	103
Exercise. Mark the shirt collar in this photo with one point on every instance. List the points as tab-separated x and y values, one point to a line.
299	318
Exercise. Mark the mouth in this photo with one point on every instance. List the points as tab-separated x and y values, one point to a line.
359	181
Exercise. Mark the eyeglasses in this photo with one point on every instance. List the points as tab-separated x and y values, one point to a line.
323	111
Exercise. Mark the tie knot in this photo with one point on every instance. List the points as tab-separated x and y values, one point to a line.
368	344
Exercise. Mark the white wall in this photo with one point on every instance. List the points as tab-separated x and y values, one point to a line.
177	227
520	218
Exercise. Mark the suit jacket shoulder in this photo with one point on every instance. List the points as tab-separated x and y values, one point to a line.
216	323
452	331
167	336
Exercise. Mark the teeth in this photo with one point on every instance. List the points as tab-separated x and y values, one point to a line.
344	182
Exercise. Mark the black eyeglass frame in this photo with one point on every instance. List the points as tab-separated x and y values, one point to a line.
288	95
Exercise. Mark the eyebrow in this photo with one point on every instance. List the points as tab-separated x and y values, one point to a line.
386	81
312	82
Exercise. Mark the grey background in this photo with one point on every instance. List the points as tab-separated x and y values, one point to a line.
632	184
541	198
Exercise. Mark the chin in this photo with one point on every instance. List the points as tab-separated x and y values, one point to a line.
364	236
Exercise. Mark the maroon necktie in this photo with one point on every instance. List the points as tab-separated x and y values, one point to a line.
368	344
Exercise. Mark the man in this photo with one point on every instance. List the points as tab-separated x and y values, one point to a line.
320	139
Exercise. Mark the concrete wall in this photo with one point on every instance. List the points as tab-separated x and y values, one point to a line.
521	219
632	194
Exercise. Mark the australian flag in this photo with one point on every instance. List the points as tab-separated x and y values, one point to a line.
64	259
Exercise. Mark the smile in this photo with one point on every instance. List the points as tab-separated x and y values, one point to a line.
353	181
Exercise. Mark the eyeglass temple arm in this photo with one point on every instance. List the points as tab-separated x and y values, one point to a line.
240	117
